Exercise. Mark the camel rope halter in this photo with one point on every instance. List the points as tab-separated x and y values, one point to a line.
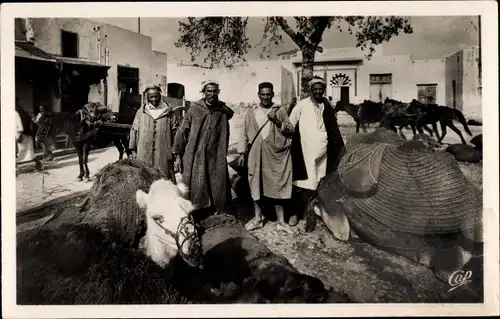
194	256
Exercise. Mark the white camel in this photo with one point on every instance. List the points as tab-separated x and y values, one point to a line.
170	228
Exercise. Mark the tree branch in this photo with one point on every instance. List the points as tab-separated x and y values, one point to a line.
296	37
320	25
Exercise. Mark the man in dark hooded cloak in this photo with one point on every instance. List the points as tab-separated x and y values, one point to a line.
200	149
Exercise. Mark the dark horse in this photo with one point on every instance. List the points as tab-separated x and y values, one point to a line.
364	113
70	124
397	113
433	113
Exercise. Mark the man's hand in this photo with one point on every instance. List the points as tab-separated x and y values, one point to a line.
178	164
134	154
241	160
273	118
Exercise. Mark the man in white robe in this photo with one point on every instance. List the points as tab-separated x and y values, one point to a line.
24	142
319	145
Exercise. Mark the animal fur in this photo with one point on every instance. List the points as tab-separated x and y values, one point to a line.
78	264
477	141
426	140
95	259
233	255
432	114
364	113
465	153
112	201
165	205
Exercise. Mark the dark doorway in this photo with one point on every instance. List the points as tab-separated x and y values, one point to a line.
344	94
42	94
175	90
69	44
128	91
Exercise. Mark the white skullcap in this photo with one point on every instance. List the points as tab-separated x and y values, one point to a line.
316	80
205	83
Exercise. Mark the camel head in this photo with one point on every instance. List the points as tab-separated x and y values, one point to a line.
170	227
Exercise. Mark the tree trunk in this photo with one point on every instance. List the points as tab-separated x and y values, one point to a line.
307	70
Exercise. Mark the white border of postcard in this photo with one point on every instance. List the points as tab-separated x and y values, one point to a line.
489	13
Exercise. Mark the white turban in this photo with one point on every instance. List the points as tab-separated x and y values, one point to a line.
316	80
205	83
151	87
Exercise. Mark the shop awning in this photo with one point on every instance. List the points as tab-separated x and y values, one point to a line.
81	62
28	50
92	71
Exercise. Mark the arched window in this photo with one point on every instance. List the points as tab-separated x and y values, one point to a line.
340	79
176	90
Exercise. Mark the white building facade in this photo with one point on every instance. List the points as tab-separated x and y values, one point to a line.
353	78
350	77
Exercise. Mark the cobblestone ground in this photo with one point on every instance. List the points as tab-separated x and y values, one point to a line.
59	178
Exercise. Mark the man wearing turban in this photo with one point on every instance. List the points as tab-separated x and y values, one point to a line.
269	161
200	149
153	130
317	146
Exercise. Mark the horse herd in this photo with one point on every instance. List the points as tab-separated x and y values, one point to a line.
392	113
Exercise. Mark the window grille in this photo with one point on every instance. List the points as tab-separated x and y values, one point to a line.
381	78
426	93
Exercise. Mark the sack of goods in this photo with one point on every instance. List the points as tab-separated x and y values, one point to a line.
95	112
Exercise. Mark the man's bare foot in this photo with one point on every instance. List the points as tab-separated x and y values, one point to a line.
286	228
293	221
255	223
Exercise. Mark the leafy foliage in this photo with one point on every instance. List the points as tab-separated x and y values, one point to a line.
223	38
225	43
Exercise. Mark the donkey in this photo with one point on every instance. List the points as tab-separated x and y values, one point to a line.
70	124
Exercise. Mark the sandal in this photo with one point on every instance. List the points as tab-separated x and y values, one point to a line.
254	224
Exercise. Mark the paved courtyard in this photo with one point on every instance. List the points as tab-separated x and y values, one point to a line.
59	179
